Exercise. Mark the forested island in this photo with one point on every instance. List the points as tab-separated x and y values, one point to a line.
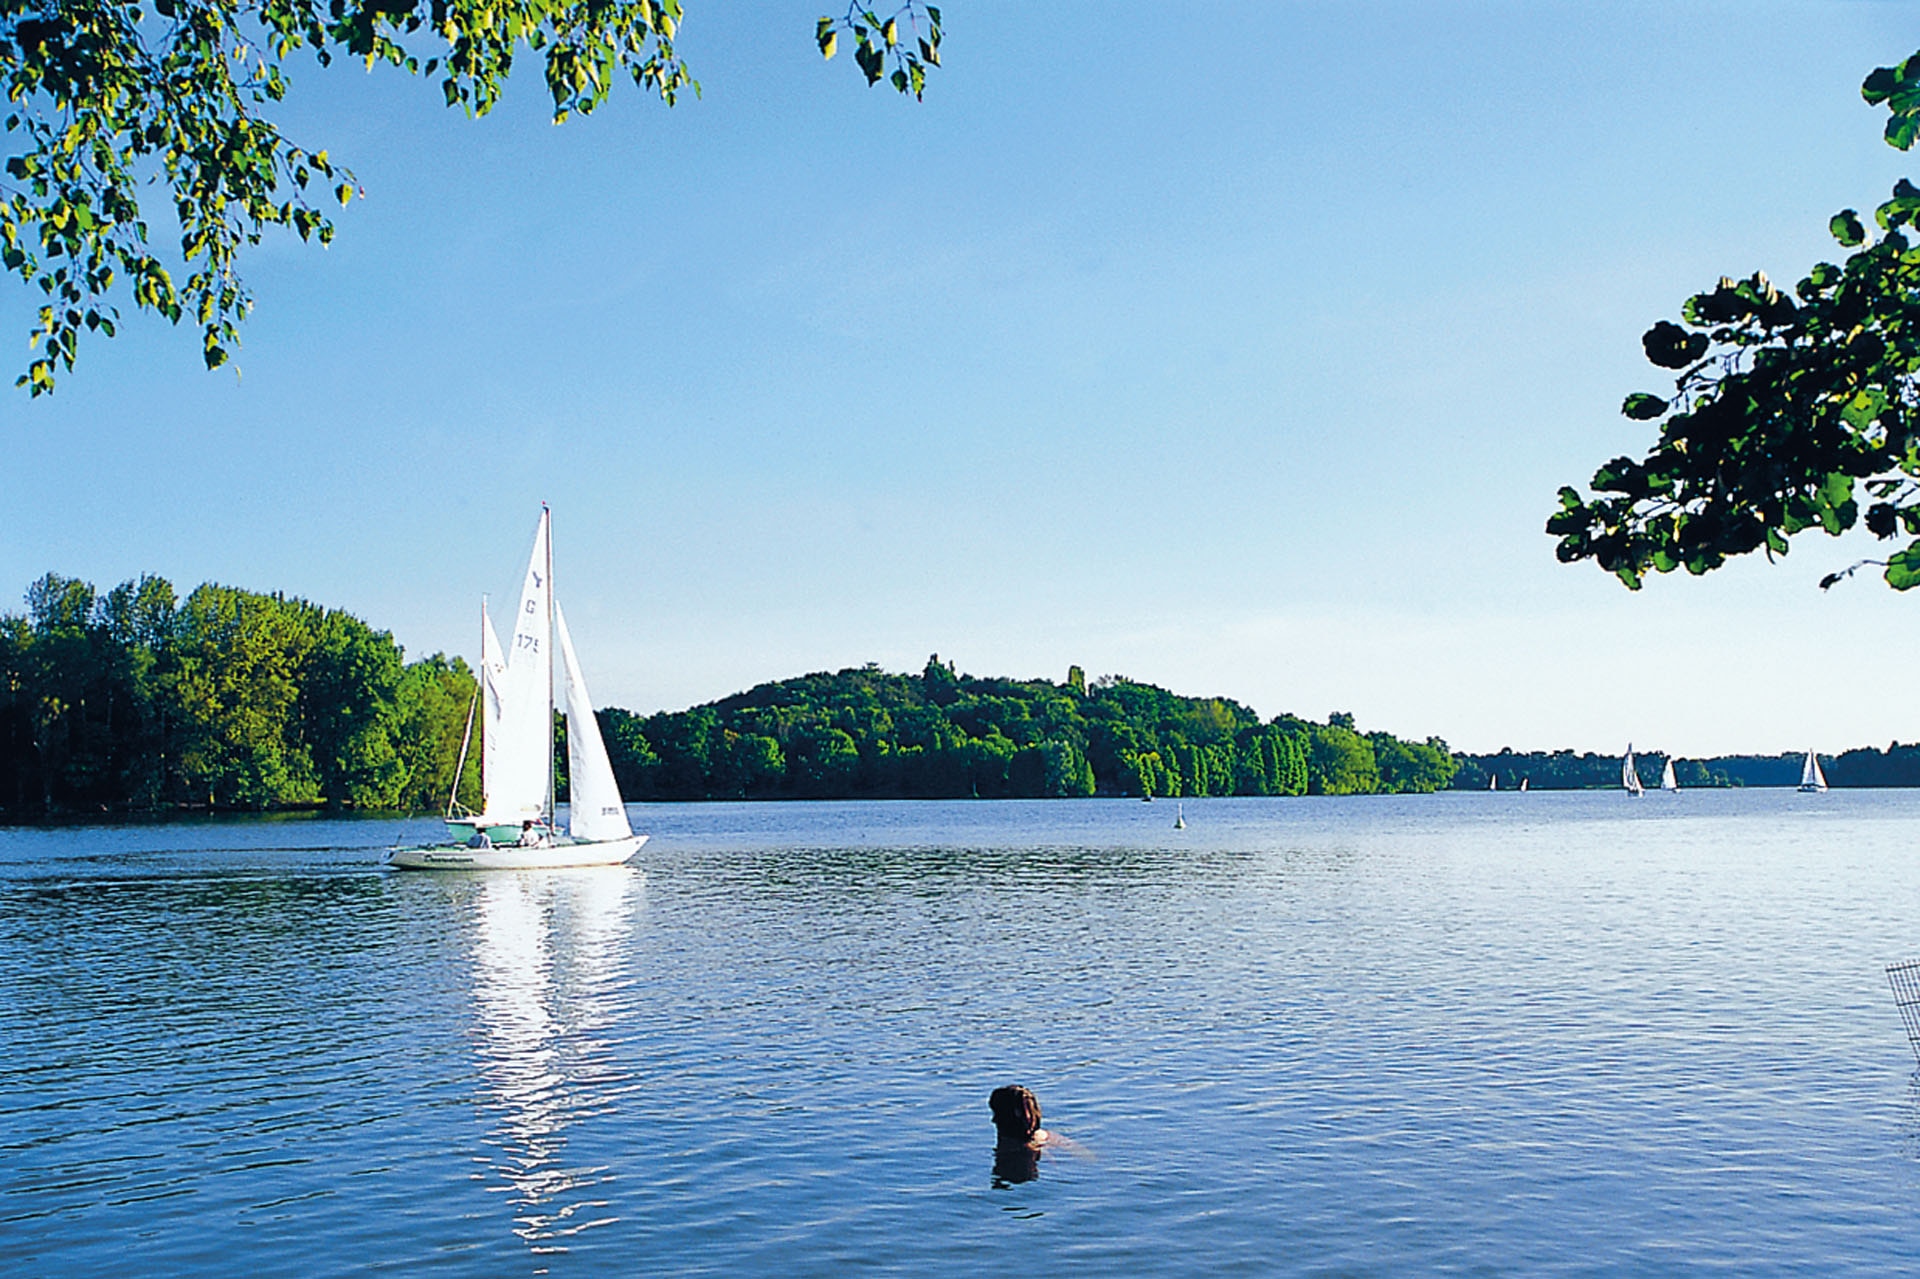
134	700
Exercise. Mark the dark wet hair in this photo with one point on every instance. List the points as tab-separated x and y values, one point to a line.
1016	1114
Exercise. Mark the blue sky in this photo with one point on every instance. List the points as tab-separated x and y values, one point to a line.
1242	356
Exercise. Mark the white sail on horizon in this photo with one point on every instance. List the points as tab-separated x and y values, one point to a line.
1811	778
1668	781
1629	775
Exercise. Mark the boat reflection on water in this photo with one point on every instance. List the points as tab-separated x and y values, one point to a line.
544	980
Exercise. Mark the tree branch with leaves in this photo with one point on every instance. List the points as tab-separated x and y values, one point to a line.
1791	410
105	97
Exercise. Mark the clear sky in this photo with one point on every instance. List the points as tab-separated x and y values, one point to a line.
1238	348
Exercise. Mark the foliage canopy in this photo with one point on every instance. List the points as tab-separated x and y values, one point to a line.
1792	410
104	96
133	699
865	732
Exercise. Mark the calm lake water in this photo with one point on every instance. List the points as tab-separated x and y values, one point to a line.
1464	1033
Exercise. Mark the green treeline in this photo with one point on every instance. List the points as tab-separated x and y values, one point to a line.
1897	765
1566	770
136	700
868	733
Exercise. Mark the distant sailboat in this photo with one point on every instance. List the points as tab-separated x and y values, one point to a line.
1523	783
1629	777
1811	778
1668	782
1180	817
1493	781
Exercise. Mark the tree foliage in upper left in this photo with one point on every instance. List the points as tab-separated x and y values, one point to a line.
105	96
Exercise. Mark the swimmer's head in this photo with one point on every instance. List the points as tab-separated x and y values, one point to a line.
1016	1114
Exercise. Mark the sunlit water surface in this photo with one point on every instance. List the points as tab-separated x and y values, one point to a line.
1547	1033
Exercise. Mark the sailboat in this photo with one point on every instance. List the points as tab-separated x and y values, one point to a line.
1523	784
1668	782
1811	778
1493	781
1180	817
515	829
1629	776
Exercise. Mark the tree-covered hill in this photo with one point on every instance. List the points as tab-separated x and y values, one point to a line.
865	732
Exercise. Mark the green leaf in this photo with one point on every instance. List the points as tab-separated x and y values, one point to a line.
1846	228
1642	407
1672	347
1903	568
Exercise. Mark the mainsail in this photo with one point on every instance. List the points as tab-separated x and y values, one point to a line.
1667	780
594	809
1629	776
522	756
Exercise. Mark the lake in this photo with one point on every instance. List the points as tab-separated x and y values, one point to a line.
1546	1033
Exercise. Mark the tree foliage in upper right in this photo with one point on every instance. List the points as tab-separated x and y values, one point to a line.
1792	409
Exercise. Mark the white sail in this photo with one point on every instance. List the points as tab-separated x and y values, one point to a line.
1811	778
1667	780
594	809
1629	775
523	759
493	675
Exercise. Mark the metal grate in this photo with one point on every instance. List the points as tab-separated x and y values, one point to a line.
1904	977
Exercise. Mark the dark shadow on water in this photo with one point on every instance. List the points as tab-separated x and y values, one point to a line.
1014	1165
1910	1119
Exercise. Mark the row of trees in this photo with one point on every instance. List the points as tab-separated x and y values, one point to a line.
865	732
1567	770
135	699
1897	765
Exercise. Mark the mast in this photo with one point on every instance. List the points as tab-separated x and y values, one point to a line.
466	738
480	695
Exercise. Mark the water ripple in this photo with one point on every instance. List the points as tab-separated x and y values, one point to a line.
1438	1035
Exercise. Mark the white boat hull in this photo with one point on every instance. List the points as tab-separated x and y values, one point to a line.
606	852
